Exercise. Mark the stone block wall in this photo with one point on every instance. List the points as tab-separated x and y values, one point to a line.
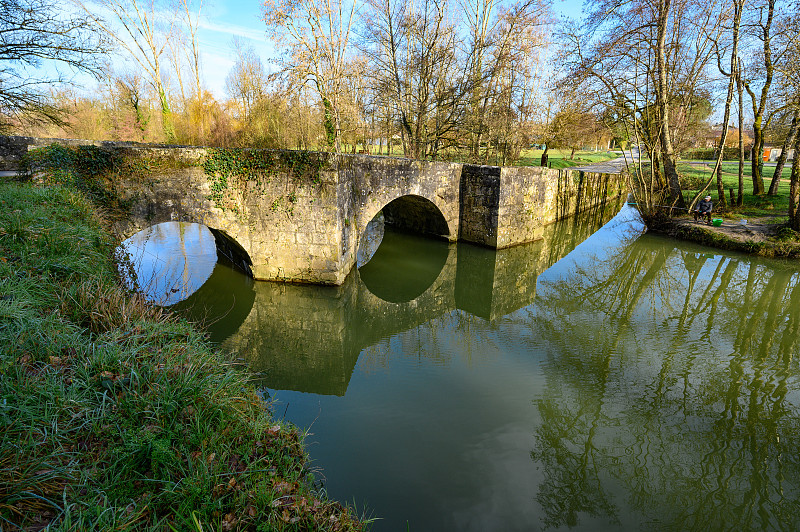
12	148
291	228
533	197
298	337
11	151
480	203
306	339
527	203
507	206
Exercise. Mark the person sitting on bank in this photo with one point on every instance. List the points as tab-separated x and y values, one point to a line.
703	209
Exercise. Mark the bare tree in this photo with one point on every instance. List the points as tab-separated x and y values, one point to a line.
788	72
315	38
191	18
740	116
788	142
144	34
247	80
412	49
184	54
762	71
648	59
456	75
501	54
33	32
738	6
791	69
661	89
131	116
568	123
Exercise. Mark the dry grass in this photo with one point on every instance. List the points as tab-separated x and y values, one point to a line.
100	308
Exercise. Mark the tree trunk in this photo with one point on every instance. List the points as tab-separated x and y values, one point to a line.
662	97
724	136
739	89
338	125
658	176
166	116
794	188
787	144
722	139
757	164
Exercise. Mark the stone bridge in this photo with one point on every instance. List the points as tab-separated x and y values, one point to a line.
299	216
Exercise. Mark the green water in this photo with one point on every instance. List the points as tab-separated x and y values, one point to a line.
629	383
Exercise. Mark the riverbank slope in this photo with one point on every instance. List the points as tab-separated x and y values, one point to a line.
117	415
757	236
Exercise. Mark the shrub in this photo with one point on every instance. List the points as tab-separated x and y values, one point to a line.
709	154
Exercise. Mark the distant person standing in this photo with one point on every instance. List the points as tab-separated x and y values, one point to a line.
703	209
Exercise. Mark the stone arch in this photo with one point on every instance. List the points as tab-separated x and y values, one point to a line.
230	250
409	213
167	261
155	259
416	214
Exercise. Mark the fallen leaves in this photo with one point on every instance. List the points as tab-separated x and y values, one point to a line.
229	522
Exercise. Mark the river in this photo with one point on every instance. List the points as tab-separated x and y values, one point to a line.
599	379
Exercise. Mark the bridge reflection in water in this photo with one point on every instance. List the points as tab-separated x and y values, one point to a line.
308	338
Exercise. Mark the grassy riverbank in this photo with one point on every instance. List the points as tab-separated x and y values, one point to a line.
117	416
757	227
759	237
694	175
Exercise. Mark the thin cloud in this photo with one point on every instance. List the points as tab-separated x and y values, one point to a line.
233	29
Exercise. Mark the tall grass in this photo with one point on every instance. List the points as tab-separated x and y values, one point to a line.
115	415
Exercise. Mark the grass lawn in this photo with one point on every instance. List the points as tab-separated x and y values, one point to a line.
559	158
694	175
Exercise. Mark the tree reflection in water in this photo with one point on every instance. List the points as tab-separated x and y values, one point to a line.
681	407
168	262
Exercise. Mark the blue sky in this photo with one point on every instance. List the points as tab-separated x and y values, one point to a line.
220	23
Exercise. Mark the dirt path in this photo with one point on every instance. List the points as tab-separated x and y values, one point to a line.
752	230
614	166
